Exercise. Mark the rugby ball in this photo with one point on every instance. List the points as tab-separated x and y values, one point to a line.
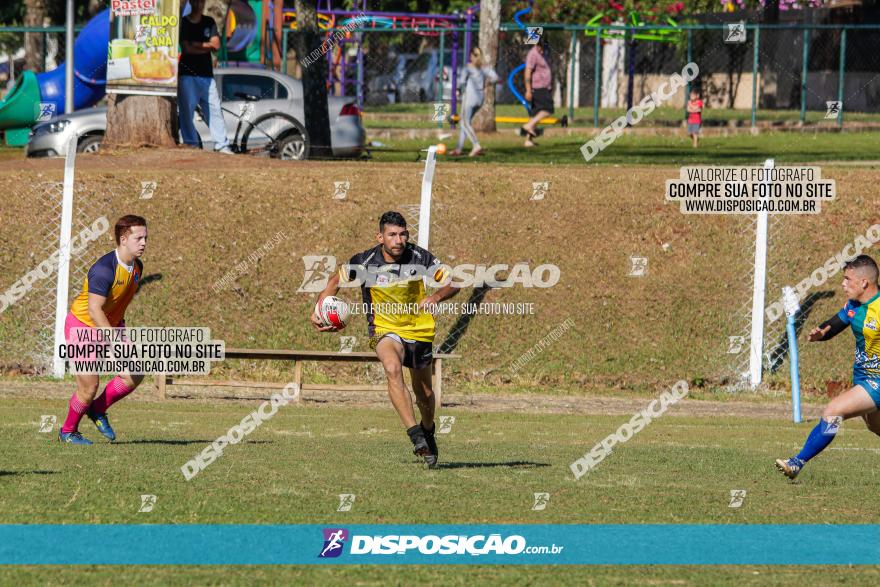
333	311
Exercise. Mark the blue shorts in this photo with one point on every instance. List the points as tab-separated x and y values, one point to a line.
872	386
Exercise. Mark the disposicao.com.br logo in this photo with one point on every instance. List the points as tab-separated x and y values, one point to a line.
334	540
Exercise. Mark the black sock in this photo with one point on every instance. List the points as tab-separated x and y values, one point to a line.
431	431
415	433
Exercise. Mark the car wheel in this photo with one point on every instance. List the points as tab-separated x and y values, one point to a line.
294	147
90	144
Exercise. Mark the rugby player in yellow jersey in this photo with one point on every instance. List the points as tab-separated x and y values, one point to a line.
391	274
106	292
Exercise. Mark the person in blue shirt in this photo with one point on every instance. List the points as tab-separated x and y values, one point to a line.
862	314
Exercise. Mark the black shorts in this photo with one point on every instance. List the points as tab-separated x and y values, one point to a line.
542	99
417	354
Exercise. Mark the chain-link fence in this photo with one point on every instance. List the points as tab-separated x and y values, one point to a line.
813	72
44	46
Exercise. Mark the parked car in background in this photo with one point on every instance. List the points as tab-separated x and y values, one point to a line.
421	80
268	92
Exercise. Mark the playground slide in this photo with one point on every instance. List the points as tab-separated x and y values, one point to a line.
20	109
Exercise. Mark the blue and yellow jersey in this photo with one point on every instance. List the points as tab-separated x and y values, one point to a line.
387	288
864	319
113	280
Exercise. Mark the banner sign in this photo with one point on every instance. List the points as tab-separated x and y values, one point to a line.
143	53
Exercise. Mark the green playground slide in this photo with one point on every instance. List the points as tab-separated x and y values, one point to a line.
17	113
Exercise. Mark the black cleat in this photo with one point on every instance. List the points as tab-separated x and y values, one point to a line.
420	445
434	454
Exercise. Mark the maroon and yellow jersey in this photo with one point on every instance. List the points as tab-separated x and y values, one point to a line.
108	277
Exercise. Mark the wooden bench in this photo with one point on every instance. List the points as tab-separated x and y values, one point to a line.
298	358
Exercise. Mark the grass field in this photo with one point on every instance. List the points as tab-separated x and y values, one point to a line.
607	213
632	338
680	469
419	116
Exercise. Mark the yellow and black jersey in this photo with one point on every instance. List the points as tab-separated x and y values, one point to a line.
392	291
110	278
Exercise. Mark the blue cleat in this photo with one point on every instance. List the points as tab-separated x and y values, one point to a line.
102	424
790	467
73	438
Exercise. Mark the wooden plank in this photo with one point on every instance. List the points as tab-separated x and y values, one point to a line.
160	386
295	355
228	383
335	387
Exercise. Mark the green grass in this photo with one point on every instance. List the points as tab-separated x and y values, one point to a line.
419	116
645	149
679	470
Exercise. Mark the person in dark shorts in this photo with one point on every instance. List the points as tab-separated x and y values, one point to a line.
539	85
399	321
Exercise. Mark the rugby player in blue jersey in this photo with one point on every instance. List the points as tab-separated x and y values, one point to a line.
862	314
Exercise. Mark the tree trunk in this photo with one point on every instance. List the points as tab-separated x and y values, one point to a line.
35	14
314	78
490	24
138	121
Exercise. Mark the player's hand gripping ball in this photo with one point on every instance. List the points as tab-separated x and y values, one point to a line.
332	311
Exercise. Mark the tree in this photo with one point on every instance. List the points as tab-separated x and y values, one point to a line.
490	23
135	120
35	14
314	78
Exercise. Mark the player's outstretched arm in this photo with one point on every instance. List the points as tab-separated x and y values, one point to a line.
330	290
444	293
828	329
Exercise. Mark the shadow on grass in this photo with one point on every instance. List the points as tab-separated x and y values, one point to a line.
184	442
509	464
18	473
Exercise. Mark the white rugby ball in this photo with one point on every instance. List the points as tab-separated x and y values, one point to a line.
333	311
